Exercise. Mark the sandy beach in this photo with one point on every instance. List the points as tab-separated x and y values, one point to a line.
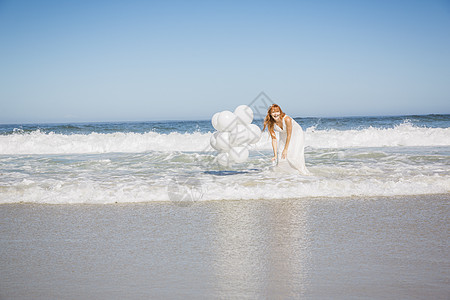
318	248
225	150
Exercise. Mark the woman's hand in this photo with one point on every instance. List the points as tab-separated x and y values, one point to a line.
283	154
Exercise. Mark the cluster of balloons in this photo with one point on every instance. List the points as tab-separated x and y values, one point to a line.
235	132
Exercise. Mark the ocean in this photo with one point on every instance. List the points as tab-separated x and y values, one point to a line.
142	210
125	162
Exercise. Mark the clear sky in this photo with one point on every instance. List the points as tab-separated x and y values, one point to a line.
77	61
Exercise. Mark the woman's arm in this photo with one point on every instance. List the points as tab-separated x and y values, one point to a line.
288	121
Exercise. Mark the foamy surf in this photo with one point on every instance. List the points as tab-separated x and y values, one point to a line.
173	161
147	177
38	142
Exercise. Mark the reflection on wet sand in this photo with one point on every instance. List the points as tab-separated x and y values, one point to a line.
318	248
261	250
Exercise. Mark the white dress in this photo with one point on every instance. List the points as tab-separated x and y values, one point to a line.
295	158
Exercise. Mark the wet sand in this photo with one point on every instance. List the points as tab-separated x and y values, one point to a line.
352	248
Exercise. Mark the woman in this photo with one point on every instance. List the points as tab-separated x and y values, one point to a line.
292	141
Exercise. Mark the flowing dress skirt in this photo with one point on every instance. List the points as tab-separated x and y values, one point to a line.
295	158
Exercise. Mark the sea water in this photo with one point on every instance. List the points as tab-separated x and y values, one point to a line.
172	161
371	222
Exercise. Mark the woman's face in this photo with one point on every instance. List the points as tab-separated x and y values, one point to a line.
275	113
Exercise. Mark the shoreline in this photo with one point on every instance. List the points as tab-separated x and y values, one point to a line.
438	195
381	248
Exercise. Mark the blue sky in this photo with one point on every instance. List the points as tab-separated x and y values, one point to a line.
78	61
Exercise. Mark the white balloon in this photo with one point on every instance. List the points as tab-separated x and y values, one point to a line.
213	140
239	135
223	141
254	133
214	120
226	121
244	114
223	159
238	154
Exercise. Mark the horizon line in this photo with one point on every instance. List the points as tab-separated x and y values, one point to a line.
193	120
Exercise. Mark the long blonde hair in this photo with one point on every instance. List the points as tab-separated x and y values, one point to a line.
269	122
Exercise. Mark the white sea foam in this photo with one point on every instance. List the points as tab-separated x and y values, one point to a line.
240	187
146	177
401	135
38	142
42	167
